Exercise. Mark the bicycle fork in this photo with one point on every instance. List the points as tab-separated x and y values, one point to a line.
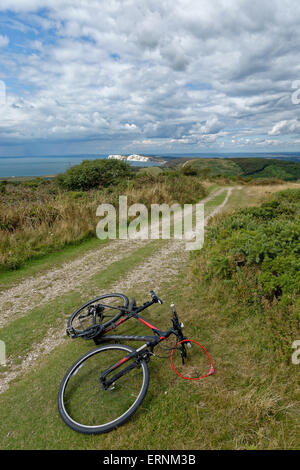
139	355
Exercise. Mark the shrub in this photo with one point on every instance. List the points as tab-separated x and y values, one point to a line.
175	186
91	174
257	251
262	236
188	170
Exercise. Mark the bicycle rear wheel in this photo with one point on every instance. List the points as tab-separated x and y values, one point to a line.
81	319
84	404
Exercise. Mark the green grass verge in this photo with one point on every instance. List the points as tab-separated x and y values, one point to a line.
20	334
237	408
214	166
42	264
216	201
250	403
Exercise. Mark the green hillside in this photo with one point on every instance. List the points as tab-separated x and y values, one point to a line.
214	166
243	167
268	168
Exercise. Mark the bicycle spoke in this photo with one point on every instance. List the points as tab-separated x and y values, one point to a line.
89	403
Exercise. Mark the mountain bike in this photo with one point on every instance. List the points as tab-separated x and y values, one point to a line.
106	386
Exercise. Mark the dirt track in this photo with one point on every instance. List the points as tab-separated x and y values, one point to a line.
34	291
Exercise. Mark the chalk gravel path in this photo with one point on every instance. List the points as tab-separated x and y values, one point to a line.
35	291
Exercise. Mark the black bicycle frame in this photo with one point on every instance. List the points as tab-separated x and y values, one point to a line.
139	354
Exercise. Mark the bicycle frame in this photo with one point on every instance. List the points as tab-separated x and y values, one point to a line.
153	340
150	341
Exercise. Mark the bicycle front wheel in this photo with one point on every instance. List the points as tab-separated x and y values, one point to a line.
84	404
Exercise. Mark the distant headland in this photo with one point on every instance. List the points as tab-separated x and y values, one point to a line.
138	158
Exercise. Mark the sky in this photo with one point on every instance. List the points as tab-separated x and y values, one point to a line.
149	76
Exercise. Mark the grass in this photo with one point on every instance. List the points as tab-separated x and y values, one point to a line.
243	169
256	251
38	219
251	403
31	229
268	168
216	201
37	266
249	196
152	170
21	334
214	166
32	388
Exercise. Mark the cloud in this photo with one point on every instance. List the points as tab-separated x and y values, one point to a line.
286	127
182	74
3	41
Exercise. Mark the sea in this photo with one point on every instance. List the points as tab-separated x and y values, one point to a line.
50	165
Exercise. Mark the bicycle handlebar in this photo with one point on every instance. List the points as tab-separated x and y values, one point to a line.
155	297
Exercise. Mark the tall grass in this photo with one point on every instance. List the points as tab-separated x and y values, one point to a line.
37	217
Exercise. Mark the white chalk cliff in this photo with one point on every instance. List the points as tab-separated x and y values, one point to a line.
134	158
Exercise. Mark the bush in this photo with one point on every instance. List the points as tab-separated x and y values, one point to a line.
188	170
177	187
267	237
91	174
257	252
